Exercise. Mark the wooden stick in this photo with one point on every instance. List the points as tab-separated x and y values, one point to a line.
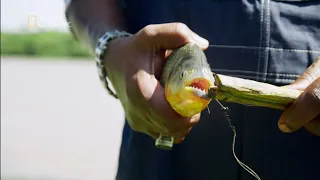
249	92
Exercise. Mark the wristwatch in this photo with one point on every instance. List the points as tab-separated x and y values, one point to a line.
100	52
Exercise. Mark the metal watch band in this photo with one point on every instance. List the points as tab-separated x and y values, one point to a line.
100	52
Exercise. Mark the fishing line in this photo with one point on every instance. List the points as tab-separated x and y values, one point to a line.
208	109
227	117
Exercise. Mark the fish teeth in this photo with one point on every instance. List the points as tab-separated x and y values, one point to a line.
198	89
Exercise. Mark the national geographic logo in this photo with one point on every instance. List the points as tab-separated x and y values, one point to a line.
34	22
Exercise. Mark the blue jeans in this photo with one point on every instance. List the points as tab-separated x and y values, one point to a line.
269	41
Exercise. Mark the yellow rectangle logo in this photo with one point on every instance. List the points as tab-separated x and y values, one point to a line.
32	21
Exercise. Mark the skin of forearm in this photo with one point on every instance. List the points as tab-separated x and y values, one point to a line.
90	19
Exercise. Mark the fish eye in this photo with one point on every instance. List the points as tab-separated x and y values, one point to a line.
184	73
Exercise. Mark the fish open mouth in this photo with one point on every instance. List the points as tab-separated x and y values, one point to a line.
199	86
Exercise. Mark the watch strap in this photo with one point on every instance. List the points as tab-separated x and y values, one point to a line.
100	51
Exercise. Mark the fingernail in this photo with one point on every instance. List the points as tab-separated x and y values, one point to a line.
201	40
284	128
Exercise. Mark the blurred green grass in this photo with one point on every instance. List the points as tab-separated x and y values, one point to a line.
42	44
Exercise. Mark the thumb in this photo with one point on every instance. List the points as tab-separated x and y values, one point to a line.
171	36
153	92
310	75
147	84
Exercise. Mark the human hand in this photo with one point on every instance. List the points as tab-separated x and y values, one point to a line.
305	111
134	66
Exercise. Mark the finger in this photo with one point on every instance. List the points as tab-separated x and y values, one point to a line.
180	137
178	140
167	53
177	128
174	124
177	135
303	110
171	36
151	90
310	75
314	126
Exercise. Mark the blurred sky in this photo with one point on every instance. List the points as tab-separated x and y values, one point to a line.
50	13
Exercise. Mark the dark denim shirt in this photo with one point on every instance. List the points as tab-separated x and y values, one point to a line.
265	40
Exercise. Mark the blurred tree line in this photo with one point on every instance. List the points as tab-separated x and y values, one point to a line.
42	44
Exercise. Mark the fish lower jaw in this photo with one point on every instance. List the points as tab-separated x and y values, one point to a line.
189	108
186	110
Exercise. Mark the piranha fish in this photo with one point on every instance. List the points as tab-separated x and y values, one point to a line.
187	77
